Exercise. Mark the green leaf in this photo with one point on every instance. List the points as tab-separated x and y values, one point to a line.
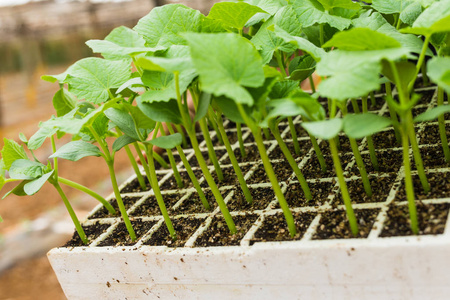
313	110
40	136
270	6
301	67
202	108
122	120
433	113
359	39
301	43
360	125
234	14
410	14
328	5
122	141
76	150
167	142
230	109
23	138
63	102
18	190
311	12
226	62
438	69
34	186
282	108
121	43
11	152
176	59
26	169
141	121
326	130
91	78
161	111
406	72
434	19
408	10
282	89
164	25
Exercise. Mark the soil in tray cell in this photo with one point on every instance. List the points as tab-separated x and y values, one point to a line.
430	135
171	182
381	187
104	213
218	234
251	151
431	219
232	138
433	158
343	146
262	197
274	228
92	232
193	162
389	161
301	132
282	169
121	237
176	156
134	186
150	206
305	146
296	198
379	102
184	228
193	205
312	167
251	139
229	176
385	139
439	184
334	224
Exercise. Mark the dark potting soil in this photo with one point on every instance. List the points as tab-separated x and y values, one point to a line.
92	232
430	134
184	228
385	139
320	191
104	213
439	187
229	176
262	196
176	156
334	224
193	162
232	138
150	206
381	186
135	187
121	237
305	146
389	161
251	151
379	102
301	132
218	234
193	205
171	182
251	139
312	168
343	146
274	228
433	158
431	219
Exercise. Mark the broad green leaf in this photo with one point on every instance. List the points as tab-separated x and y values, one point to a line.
176	59
129	85
433	113
23	137
359	39
167	142
161	111
202	108
328	5
141	121
234	14
301	67
11	152
270	6
26	169
230	109
434	19
164	25
226	63
301	43
123	120
34	186
326	129
311	12
408	10
314	111
282	108
91	78
18	190
59	77
410	14
406	72
121	43
282	89
438	69
352	74
360	125
99	125
40	136
162	85
63	102
76	150
121	142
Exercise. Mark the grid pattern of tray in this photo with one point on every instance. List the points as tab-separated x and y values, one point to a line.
332	203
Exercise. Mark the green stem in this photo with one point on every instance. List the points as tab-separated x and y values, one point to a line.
183	135
143	161
441	122
160	160
294	136
214	125
176	174
311	83
269	171
72	214
241	141
393	114
280	63
355	106
55	160
373	101
88	191
419	62
321	34
409	183
319	154
373	156
291	161
139	176
191	174
425	80
234	162
344	191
